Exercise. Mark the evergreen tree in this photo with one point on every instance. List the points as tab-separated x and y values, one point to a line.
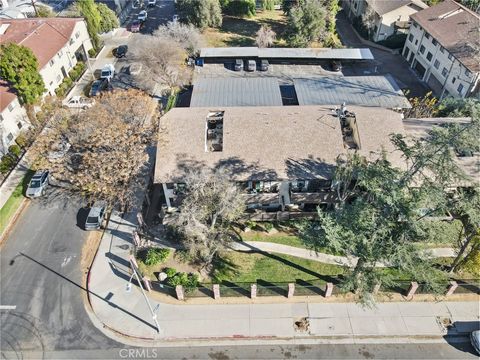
88	9
108	18
201	13
19	67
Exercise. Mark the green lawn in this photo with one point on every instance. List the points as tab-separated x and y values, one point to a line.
14	201
248	267
280	238
242	31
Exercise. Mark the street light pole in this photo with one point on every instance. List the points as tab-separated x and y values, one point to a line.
154	315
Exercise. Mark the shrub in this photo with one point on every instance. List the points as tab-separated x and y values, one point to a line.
22	141
15	150
92	53
394	42
171	272
268	226
189	281
241	8
64	87
171	102
268	4
250	224
156	256
6	164
77	70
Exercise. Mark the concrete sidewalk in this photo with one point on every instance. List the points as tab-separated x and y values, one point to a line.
127	312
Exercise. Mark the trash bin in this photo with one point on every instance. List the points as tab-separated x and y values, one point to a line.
199	62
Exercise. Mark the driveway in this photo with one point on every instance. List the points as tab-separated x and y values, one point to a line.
385	62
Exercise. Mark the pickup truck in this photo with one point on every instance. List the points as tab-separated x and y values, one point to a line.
78	102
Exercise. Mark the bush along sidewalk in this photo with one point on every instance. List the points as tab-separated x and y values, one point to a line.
69	81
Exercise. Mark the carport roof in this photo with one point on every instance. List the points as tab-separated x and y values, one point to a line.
236	92
287	53
380	91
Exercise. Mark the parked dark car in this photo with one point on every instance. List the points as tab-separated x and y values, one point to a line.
335	66
97	87
238	65
264	65
120	51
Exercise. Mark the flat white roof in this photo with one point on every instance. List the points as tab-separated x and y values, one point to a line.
287	53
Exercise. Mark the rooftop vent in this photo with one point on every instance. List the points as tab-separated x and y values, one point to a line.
348	124
214	131
3	28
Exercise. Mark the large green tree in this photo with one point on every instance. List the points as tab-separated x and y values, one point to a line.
88	9
19	67
108	18
379	217
307	23
201	13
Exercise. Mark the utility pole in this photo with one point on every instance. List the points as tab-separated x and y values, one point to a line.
135	272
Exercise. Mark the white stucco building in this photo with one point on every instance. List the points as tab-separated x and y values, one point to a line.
443	48
389	16
58	44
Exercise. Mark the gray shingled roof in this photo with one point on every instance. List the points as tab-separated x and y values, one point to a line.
354	90
236	92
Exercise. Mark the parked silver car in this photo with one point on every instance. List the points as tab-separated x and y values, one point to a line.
475	340
251	65
37	185
95	218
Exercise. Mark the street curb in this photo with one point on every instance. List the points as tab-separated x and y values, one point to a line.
13	220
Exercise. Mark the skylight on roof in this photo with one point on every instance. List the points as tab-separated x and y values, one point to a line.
3	28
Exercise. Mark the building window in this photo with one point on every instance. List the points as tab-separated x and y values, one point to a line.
460	89
1	118
416	42
422	49
415	25
59	78
450	56
454	79
51	62
77	34
444	72
9	137
11	106
436	64
429	56
434	42
427	35
19	124
410	38
442	49
51	83
60	54
467	72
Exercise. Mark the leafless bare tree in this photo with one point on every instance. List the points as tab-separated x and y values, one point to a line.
163	63
369	18
265	36
211	204
186	35
102	151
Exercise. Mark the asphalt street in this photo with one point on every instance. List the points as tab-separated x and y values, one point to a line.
321	351
41	277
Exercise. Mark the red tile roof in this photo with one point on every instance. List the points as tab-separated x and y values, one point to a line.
6	95
45	37
456	28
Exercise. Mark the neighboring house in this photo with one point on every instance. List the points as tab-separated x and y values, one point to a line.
443	47
13	118
283	158
385	17
58	44
9	13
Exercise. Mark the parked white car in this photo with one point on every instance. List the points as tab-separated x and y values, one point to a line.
107	72
142	16
78	102
152	3
175	18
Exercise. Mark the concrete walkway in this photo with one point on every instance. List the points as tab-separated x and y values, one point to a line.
321	257
127	312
